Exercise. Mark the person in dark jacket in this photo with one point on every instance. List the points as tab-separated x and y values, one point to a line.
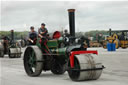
32	36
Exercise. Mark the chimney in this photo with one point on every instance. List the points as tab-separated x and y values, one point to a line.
71	13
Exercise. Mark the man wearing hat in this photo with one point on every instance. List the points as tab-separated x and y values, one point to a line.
32	36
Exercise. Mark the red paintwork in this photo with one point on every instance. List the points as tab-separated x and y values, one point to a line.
79	52
56	35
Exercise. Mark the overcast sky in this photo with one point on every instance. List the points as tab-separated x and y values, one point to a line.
20	15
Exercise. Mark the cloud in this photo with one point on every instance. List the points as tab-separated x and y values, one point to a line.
90	15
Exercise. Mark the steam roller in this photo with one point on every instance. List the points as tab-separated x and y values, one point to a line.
73	57
14	48
10	47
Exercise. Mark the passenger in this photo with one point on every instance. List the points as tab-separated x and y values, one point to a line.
32	36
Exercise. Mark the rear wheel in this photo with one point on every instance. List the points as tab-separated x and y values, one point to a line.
33	61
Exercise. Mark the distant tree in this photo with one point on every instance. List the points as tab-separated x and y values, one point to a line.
17	35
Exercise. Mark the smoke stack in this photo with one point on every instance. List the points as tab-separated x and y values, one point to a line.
71	13
12	36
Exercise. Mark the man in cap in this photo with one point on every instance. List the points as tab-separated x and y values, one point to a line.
32	36
43	37
43	31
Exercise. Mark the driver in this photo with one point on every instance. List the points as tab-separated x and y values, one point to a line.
43	31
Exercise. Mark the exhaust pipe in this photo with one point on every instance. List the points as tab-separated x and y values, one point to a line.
12	36
71	13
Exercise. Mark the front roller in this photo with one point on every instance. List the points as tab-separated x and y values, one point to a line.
14	52
86	67
33	61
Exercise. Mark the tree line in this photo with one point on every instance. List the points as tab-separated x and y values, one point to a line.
95	34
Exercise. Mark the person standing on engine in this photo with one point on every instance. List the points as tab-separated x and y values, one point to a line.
32	36
43	31
43	37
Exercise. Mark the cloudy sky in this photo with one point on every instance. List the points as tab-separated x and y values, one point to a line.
90	15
